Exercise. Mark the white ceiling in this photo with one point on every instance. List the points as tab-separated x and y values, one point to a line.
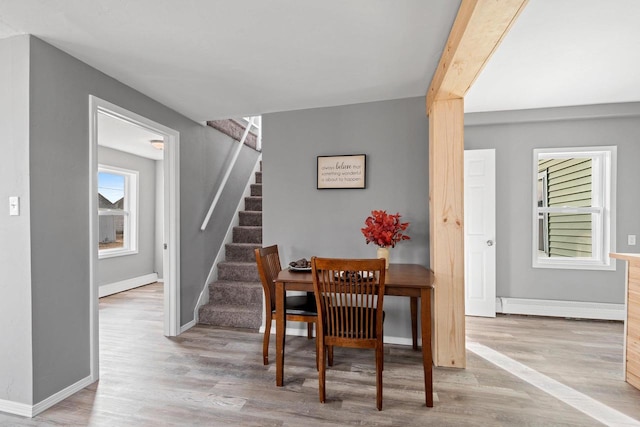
124	136
562	53
212	59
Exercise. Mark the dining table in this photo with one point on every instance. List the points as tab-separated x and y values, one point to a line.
405	280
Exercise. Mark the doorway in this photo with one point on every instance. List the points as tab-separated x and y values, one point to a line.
170	212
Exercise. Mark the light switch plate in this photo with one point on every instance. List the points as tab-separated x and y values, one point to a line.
631	239
14	206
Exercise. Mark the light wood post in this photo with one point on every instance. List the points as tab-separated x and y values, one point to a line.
479	28
446	214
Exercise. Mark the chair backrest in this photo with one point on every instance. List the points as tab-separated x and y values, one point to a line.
268	262
349	293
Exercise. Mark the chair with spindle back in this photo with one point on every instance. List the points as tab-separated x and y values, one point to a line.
299	308
349	297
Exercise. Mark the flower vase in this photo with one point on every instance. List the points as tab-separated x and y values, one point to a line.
384	253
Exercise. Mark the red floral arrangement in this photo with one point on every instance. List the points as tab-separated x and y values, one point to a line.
384	230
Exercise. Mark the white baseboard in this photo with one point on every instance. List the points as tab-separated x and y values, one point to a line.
557	308
25	410
188	326
15	408
125	285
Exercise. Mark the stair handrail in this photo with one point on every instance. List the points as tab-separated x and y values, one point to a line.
227	173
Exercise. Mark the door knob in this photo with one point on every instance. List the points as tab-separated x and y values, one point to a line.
489	242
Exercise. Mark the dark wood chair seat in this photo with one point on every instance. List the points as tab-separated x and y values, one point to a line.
302	305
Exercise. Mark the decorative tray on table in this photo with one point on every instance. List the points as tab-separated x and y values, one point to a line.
301	265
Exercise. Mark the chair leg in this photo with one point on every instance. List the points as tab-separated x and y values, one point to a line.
321	372
317	353
379	358
265	341
330	355
309	330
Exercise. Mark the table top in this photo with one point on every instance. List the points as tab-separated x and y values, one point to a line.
406	276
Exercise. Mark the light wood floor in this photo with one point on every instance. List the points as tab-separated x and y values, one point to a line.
211	376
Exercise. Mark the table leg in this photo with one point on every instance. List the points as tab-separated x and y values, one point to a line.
425	324
414	321
280	332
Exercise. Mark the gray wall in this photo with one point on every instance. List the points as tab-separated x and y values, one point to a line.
305	221
15	244
514	135
111	270
59	172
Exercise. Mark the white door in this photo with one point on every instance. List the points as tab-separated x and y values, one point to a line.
479	232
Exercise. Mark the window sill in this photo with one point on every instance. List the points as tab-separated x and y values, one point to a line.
575	265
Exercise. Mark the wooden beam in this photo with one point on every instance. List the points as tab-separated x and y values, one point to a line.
477	31
446	215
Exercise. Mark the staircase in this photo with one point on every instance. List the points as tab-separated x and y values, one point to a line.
235	299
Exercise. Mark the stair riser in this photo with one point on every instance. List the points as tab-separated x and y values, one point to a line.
253	204
231	318
240	253
258	177
239	273
247	235
250	218
227	293
256	190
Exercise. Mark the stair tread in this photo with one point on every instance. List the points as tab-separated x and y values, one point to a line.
242	244
239	283
248	227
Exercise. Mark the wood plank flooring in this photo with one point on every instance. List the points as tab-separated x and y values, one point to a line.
212	376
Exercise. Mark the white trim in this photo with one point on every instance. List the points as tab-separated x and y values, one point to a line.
558	308
125	285
203	298
94	332
61	395
15	408
26	410
188	325
171	257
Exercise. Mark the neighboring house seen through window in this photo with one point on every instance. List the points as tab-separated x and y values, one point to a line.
117	211
574	208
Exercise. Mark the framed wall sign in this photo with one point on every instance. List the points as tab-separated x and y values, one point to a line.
342	171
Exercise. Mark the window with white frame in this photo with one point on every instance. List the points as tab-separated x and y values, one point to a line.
574	207
117	211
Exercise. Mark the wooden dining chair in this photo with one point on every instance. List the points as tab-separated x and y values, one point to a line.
299	308
349	296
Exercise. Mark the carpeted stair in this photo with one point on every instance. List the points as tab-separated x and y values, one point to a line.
235	299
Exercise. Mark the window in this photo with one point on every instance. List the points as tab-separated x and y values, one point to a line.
574	208
117	211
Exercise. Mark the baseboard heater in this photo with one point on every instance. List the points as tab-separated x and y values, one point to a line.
558	308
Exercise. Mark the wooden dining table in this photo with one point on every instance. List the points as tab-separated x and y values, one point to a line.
405	280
